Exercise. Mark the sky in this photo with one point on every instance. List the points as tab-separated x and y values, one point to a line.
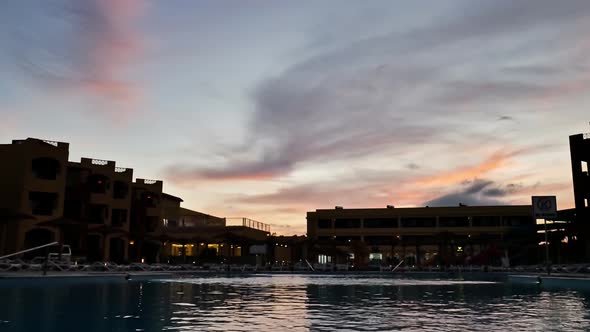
270	109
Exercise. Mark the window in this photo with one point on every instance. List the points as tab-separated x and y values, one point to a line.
376	256
324	223
45	168
419	222
347	223
98	184
119	217
96	214
486	221
453	221
347	238
120	189
380	223
42	203
381	240
324	259
518	221
585	166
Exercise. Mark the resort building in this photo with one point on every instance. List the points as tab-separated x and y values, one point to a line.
580	158
32	189
422	236
97	206
98	210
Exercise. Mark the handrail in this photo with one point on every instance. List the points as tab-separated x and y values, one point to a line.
309	264
30	249
400	263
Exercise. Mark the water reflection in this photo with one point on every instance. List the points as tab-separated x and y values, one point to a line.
290	302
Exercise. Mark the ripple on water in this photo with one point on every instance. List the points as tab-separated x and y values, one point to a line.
295	303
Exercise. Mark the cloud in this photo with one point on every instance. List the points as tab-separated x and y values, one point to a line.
396	91
473	193
505	118
80	46
493	162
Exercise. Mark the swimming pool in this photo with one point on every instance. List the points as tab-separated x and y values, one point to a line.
287	302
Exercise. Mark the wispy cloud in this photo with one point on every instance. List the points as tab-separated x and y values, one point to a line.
370	97
81	46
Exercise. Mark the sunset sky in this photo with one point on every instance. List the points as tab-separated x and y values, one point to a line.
269	109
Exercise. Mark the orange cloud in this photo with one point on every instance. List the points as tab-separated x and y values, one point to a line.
495	161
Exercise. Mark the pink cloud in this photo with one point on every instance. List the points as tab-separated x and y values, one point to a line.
116	45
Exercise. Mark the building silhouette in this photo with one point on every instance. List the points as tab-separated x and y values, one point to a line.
97	209
580	159
424	235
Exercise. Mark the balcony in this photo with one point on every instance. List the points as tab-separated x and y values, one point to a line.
45	168
119	217
97	214
42	203
149	200
151	224
98	184
120	190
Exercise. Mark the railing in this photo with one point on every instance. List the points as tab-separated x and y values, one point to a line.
99	162
29	250
147	181
250	223
395	268
54	143
120	169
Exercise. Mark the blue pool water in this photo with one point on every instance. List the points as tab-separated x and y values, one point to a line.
288	302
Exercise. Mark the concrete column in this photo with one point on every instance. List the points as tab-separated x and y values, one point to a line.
126	250
106	248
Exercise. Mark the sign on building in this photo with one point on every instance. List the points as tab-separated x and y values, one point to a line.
545	207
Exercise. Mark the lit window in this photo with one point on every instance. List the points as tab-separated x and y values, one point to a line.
323	259
376	256
165	222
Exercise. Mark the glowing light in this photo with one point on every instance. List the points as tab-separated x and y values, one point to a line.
131	242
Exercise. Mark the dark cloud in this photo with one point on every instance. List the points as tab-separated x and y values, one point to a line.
412	166
474	192
502	192
477	186
505	118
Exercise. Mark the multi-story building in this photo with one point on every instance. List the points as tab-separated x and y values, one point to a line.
580	158
423	236
32	188
96	208
146	218
98	197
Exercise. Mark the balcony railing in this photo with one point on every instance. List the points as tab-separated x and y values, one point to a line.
54	143
250	223
147	181
99	162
